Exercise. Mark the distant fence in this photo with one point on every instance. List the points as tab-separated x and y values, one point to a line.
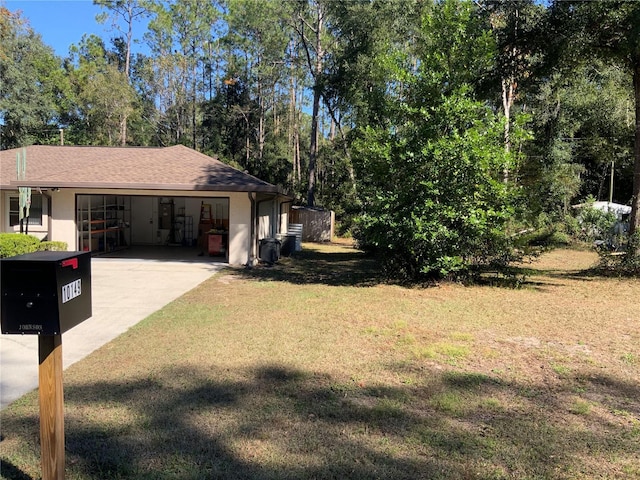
317	225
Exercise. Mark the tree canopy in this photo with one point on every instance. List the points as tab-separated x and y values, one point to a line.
435	129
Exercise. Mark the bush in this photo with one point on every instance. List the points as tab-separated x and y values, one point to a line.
12	244
550	237
595	224
624	264
52	246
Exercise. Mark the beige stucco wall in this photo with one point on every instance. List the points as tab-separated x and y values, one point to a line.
239	228
63	220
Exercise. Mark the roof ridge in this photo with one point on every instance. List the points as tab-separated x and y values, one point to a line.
88	166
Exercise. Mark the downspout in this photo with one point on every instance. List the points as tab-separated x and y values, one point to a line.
257	220
280	214
269	199
49	214
252	257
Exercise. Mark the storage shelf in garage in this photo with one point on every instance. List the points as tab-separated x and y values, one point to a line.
103	223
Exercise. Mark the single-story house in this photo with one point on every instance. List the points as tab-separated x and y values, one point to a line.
102	199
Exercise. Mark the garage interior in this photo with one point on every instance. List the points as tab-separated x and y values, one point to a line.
153	226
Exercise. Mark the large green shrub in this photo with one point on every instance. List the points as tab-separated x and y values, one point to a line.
12	244
434	200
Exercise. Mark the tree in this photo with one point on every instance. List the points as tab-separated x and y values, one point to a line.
434	203
516	28
610	30
430	176
31	79
257	34
101	93
584	120
129	11
309	23
178	35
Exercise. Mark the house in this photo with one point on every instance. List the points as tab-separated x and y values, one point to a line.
102	199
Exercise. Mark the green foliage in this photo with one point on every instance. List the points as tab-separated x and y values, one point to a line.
30	82
100	93
553	236
626	263
12	244
595	224
586	121
433	202
52	246
399	131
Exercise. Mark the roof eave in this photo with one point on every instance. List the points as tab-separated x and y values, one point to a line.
267	188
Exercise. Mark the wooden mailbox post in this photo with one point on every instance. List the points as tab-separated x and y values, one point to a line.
46	294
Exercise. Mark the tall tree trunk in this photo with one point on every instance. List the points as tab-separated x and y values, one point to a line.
508	95
194	97
317	71
294	120
127	67
313	149
634	221
261	115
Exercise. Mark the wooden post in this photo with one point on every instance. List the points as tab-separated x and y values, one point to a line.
51	407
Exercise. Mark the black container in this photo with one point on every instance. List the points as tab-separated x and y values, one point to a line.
45	293
288	245
269	250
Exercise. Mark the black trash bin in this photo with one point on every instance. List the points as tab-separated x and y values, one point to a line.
288	245
269	250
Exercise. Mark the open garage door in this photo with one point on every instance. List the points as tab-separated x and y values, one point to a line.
110	223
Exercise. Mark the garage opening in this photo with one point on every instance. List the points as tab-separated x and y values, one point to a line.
191	226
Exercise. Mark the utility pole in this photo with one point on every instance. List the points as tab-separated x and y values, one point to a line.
611	183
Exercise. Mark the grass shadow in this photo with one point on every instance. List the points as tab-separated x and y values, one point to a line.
11	472
347	266
315	264
277	422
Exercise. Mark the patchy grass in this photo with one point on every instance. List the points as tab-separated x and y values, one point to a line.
316	369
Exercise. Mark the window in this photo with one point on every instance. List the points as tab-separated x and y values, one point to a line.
35	211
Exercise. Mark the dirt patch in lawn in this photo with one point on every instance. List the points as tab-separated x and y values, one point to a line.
314	368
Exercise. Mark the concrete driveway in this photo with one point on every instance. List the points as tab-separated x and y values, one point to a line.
124	291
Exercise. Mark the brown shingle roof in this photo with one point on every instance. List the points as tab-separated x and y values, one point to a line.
167	168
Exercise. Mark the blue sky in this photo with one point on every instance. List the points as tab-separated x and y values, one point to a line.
61	23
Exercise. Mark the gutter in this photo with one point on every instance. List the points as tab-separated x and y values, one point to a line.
49	213
252	251
256	224
280	213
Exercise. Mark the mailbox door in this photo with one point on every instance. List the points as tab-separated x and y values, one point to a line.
74	290
29	314
29	300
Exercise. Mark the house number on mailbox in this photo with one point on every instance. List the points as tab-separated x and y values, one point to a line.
71	291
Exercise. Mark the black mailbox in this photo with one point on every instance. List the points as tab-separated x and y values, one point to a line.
45	293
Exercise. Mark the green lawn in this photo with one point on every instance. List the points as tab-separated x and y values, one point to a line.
316	369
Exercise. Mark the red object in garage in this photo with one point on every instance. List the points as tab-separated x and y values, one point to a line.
215	244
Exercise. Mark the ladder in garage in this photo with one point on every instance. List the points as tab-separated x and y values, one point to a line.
205	213
205	224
